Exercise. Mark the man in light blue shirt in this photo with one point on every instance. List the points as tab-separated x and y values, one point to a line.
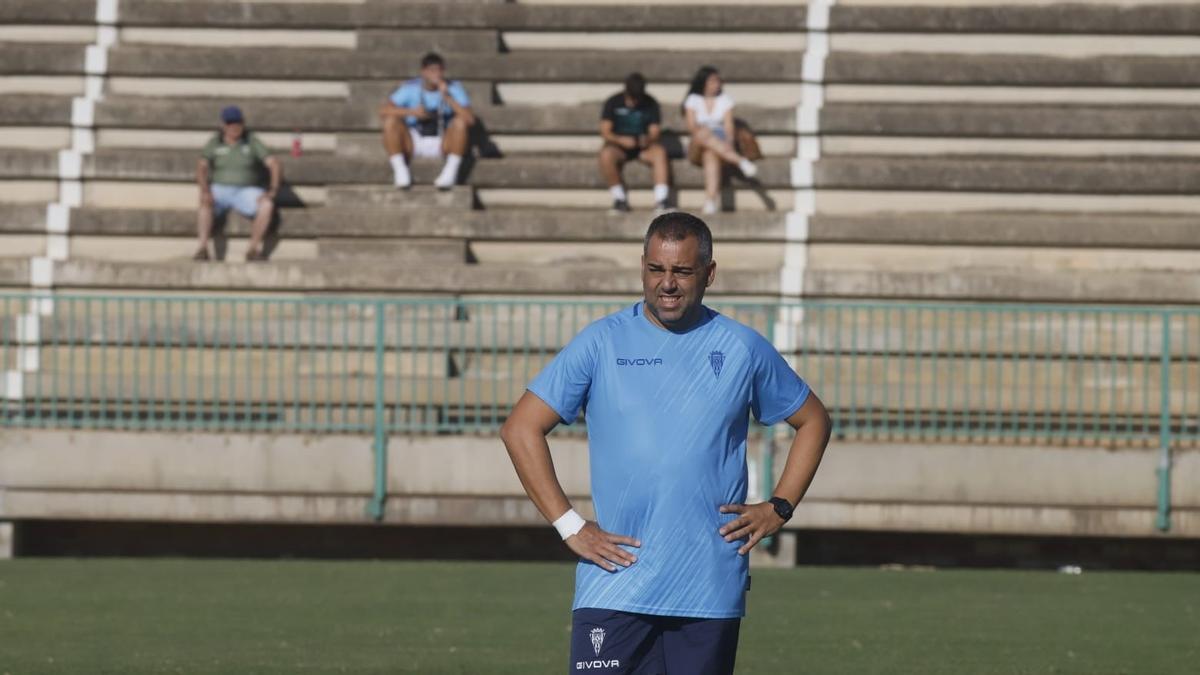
429	117
667	386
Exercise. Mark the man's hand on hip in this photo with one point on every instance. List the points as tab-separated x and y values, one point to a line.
755	521
594	544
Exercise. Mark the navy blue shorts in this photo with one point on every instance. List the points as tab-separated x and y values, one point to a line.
621	643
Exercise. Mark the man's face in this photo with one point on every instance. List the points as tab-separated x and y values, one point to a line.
674	279
234	130
432	75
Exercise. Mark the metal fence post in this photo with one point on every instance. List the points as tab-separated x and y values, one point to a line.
1163	521
379	498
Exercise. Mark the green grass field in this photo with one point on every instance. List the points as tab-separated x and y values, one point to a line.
187	616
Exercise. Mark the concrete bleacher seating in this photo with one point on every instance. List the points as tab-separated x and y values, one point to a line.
1036	116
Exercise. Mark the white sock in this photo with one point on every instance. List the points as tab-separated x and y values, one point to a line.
449	172
618	192
400	170
710	207
661	192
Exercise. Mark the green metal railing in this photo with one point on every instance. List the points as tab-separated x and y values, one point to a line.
979	373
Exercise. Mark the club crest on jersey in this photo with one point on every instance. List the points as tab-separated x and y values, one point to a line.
716	360
597	636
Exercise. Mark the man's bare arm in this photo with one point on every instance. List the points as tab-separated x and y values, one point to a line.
606	132
524	436
653	134
389	109
756	521
275	168
461	111
813	426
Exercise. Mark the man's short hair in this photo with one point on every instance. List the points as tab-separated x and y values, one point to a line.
432	59
677	226
635	86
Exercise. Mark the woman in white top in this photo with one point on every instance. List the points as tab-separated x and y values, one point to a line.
709	114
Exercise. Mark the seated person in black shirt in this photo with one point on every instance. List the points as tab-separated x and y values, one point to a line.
630	126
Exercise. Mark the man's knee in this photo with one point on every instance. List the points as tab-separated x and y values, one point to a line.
610	156
460	124
392	124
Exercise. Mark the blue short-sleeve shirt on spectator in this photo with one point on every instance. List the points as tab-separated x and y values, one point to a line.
413	94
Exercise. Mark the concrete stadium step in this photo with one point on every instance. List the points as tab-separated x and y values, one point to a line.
35	110
339	64
482	15
320	276
1065	229
1007	284
1007	174
1166	176
398	251
388	198
1101	230
947	17
395	220
908	258
121	389
523	326
314	169
1066	95
359	114
658	41
1059	45
925	388
316	276
841	67
1035	18
469	41
1009	69
1116	148
336	64
255	362
36	11
1018	121
845	118
17	58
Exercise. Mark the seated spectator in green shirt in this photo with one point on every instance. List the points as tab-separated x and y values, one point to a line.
230	176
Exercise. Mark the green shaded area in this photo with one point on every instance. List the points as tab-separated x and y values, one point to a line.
188	616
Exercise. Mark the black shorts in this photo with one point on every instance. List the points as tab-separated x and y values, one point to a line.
633	154
622	643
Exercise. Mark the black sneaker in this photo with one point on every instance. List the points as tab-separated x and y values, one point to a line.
619	206
661	208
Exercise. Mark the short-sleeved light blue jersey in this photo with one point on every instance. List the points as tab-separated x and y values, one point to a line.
667	415
413	94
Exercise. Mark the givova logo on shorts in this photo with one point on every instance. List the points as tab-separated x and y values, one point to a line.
597	637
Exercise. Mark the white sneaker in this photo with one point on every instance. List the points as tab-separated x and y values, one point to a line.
747	168
446	178
402	176
710	207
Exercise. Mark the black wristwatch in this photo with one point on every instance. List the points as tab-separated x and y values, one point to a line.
783	508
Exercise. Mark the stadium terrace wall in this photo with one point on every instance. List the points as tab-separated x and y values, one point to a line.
983	419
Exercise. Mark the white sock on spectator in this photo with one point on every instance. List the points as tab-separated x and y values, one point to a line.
618	192
661	192
400	170
449	173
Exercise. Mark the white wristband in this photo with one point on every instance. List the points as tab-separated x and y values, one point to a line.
569	523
